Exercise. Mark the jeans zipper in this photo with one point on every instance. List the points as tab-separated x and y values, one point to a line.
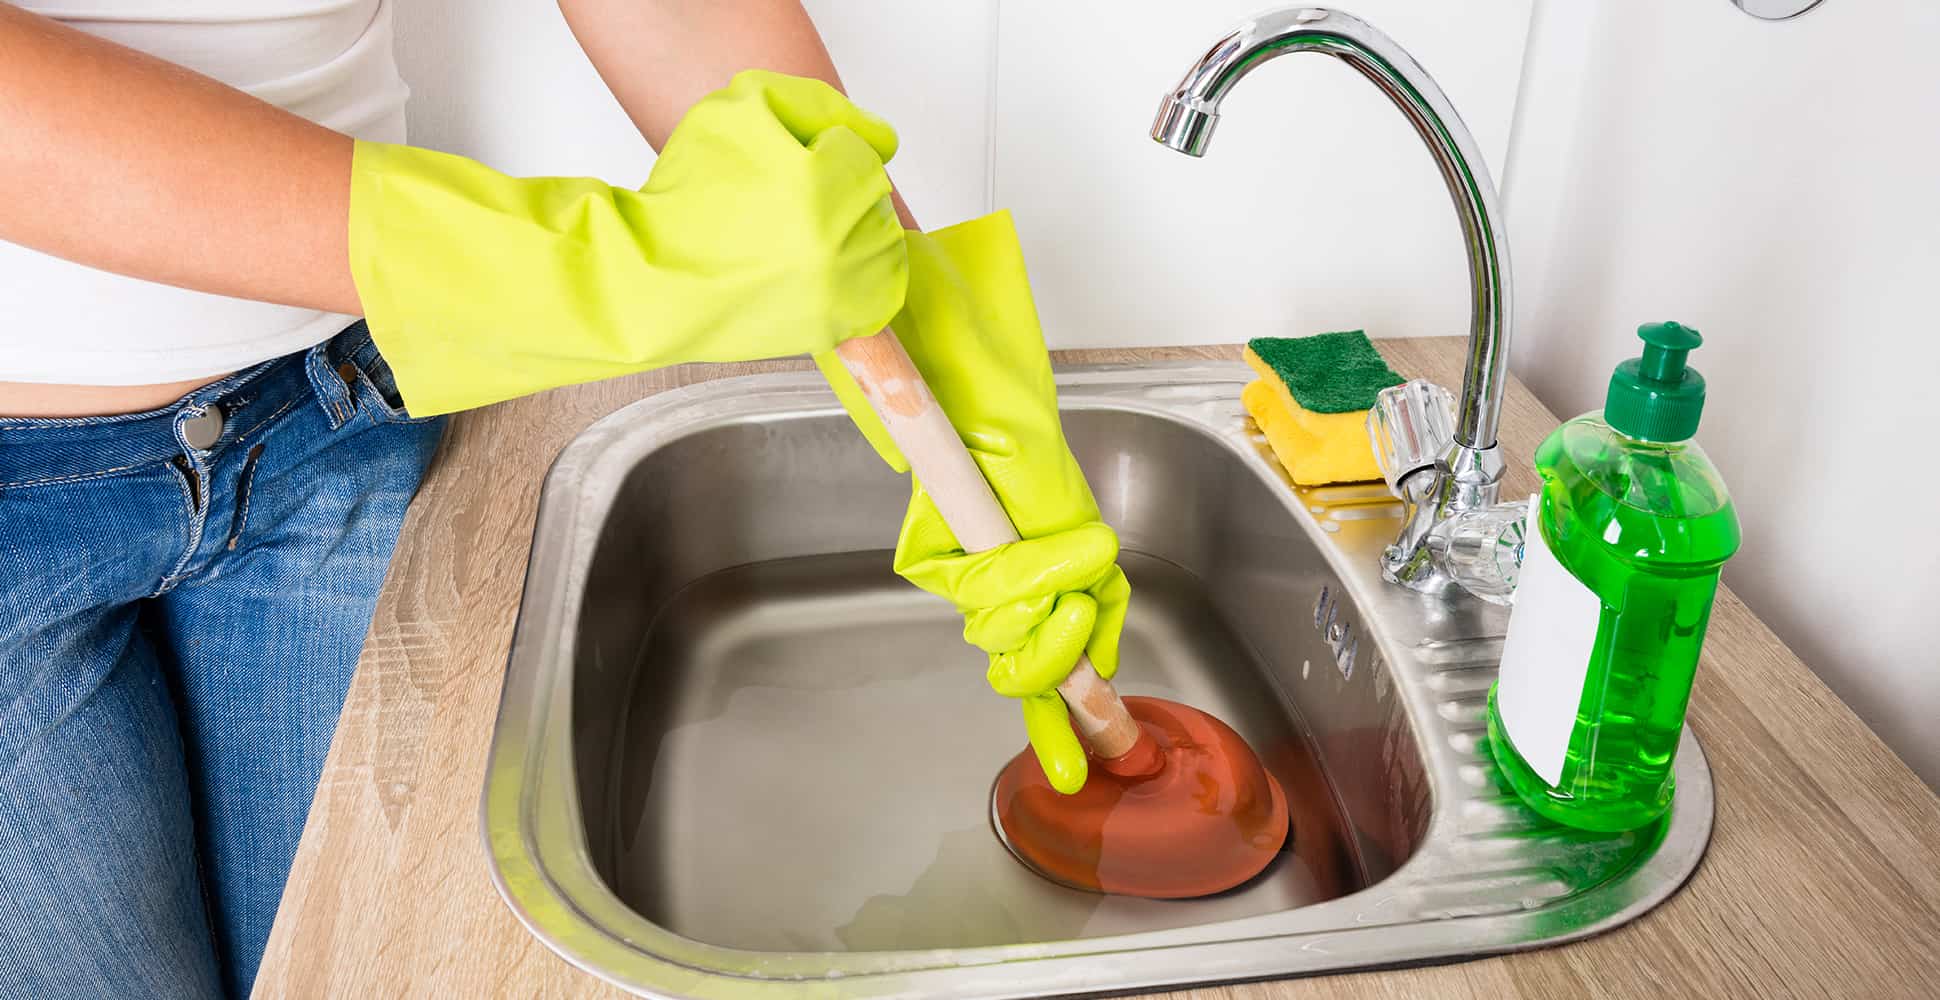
195	482
243	483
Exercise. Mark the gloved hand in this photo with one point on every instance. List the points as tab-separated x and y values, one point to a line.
764	230
970	325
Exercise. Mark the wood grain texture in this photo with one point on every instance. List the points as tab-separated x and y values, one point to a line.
1823	877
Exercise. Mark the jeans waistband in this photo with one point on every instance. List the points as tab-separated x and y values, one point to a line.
48	450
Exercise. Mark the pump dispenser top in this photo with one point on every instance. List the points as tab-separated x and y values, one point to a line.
1658	397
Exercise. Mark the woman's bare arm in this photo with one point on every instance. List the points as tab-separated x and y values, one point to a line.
121	161
124	162
660	56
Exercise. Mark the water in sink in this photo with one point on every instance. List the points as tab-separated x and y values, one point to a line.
805	759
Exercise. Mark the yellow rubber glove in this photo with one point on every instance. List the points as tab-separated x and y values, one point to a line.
764	230
970	325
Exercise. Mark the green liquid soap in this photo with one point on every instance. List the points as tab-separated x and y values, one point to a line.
1632	510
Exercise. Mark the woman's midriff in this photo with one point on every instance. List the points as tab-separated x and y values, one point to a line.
34	399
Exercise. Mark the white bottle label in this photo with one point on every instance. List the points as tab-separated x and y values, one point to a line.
1552	632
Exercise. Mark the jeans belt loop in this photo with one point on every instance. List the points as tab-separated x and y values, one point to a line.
332	384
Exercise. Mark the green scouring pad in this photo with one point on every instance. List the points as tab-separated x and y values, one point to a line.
1312	401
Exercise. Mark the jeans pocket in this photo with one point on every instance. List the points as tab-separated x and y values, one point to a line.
379	388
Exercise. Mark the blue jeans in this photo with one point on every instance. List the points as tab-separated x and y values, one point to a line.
183	596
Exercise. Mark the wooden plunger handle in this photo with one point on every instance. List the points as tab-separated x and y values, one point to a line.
917	424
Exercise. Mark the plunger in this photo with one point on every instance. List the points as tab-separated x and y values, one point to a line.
1176	805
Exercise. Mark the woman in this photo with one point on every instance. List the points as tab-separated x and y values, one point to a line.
205	457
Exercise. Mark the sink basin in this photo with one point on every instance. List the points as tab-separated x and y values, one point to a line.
737	755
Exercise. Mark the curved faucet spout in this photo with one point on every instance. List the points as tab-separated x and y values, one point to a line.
1468	475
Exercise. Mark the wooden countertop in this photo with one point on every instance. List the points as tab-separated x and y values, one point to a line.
1823	877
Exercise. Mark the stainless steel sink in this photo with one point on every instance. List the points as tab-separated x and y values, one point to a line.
719	769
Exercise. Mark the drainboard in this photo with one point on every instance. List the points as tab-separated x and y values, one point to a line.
736	754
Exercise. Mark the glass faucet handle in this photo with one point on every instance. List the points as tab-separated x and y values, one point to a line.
1482	549
1410	426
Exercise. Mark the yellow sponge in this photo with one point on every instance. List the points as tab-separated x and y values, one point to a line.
1318	447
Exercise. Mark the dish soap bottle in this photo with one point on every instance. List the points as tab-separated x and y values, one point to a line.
1620	566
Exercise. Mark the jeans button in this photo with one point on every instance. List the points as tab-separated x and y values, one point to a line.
202	431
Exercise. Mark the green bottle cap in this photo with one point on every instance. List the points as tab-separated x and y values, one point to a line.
1657	397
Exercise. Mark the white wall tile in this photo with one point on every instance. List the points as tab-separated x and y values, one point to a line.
1317	207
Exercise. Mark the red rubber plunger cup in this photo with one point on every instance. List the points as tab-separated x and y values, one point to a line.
1187	811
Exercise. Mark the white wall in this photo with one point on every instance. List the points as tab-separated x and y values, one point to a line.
503	81
1317	208
1776	185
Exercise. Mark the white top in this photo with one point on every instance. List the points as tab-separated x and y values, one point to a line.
327	60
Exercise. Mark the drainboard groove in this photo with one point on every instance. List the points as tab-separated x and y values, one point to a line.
1460	654
1455	666
1468	742
1468	710
1497	815
1544	845
1364	512
1486	909
1363	494
1498	891
1456	683
1520	879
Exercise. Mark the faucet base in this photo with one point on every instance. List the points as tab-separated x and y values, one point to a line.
1471	477
1463	479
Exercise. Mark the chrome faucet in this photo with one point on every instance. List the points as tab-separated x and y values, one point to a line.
1465	476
